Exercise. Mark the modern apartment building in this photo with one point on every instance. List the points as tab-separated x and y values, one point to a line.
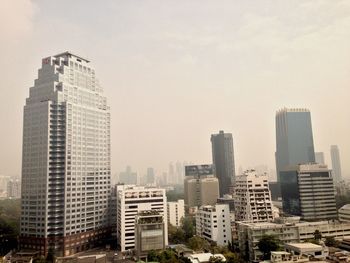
201	186
252	198
336	165
249	234
176	211
308	191
65	158
294	139
213	223
223	160
132	200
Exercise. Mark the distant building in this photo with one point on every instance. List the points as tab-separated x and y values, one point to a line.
213	223
150	233
4	179
336	165
176	211
229	200
150	176
319	157
344	213
14	189
294	139
252	198
223	160
201	187
128	176
132	200
308	191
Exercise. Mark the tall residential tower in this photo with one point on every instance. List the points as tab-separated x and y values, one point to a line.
223	160
294	139
66	158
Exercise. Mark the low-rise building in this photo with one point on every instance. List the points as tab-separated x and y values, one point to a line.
307	248
205	257
249	234
176	211
286	257
213	223
344	213
149	233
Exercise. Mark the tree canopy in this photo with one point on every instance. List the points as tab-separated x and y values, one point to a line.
267	244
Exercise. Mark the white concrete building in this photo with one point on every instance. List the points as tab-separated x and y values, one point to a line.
252	198
249	234
213	223
14	189
132	200
344	213
65	158
176	211
307	248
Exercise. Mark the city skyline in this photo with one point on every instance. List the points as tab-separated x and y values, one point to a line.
228	62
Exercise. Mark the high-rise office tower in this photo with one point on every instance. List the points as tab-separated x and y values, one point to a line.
223	160
308	191
319	157
252	197
336	166
294	139
66	158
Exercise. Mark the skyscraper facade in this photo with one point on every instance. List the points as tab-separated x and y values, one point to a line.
223	160
66	158
294	139
336	166
308	191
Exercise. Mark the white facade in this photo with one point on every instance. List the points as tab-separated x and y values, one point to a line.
344	213
176	211
253	198
65	157
213	223
14	189
130	201
336	164
249	234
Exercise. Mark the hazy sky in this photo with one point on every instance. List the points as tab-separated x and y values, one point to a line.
176	71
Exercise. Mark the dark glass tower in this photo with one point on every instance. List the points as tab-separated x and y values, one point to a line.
223	160
294	140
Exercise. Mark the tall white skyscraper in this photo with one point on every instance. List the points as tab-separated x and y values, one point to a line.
336	166
66	158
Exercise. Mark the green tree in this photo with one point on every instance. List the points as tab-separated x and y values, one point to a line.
232	257
197	243
215	259
152	256
317	235
176	235
188	226
267	244
331	242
